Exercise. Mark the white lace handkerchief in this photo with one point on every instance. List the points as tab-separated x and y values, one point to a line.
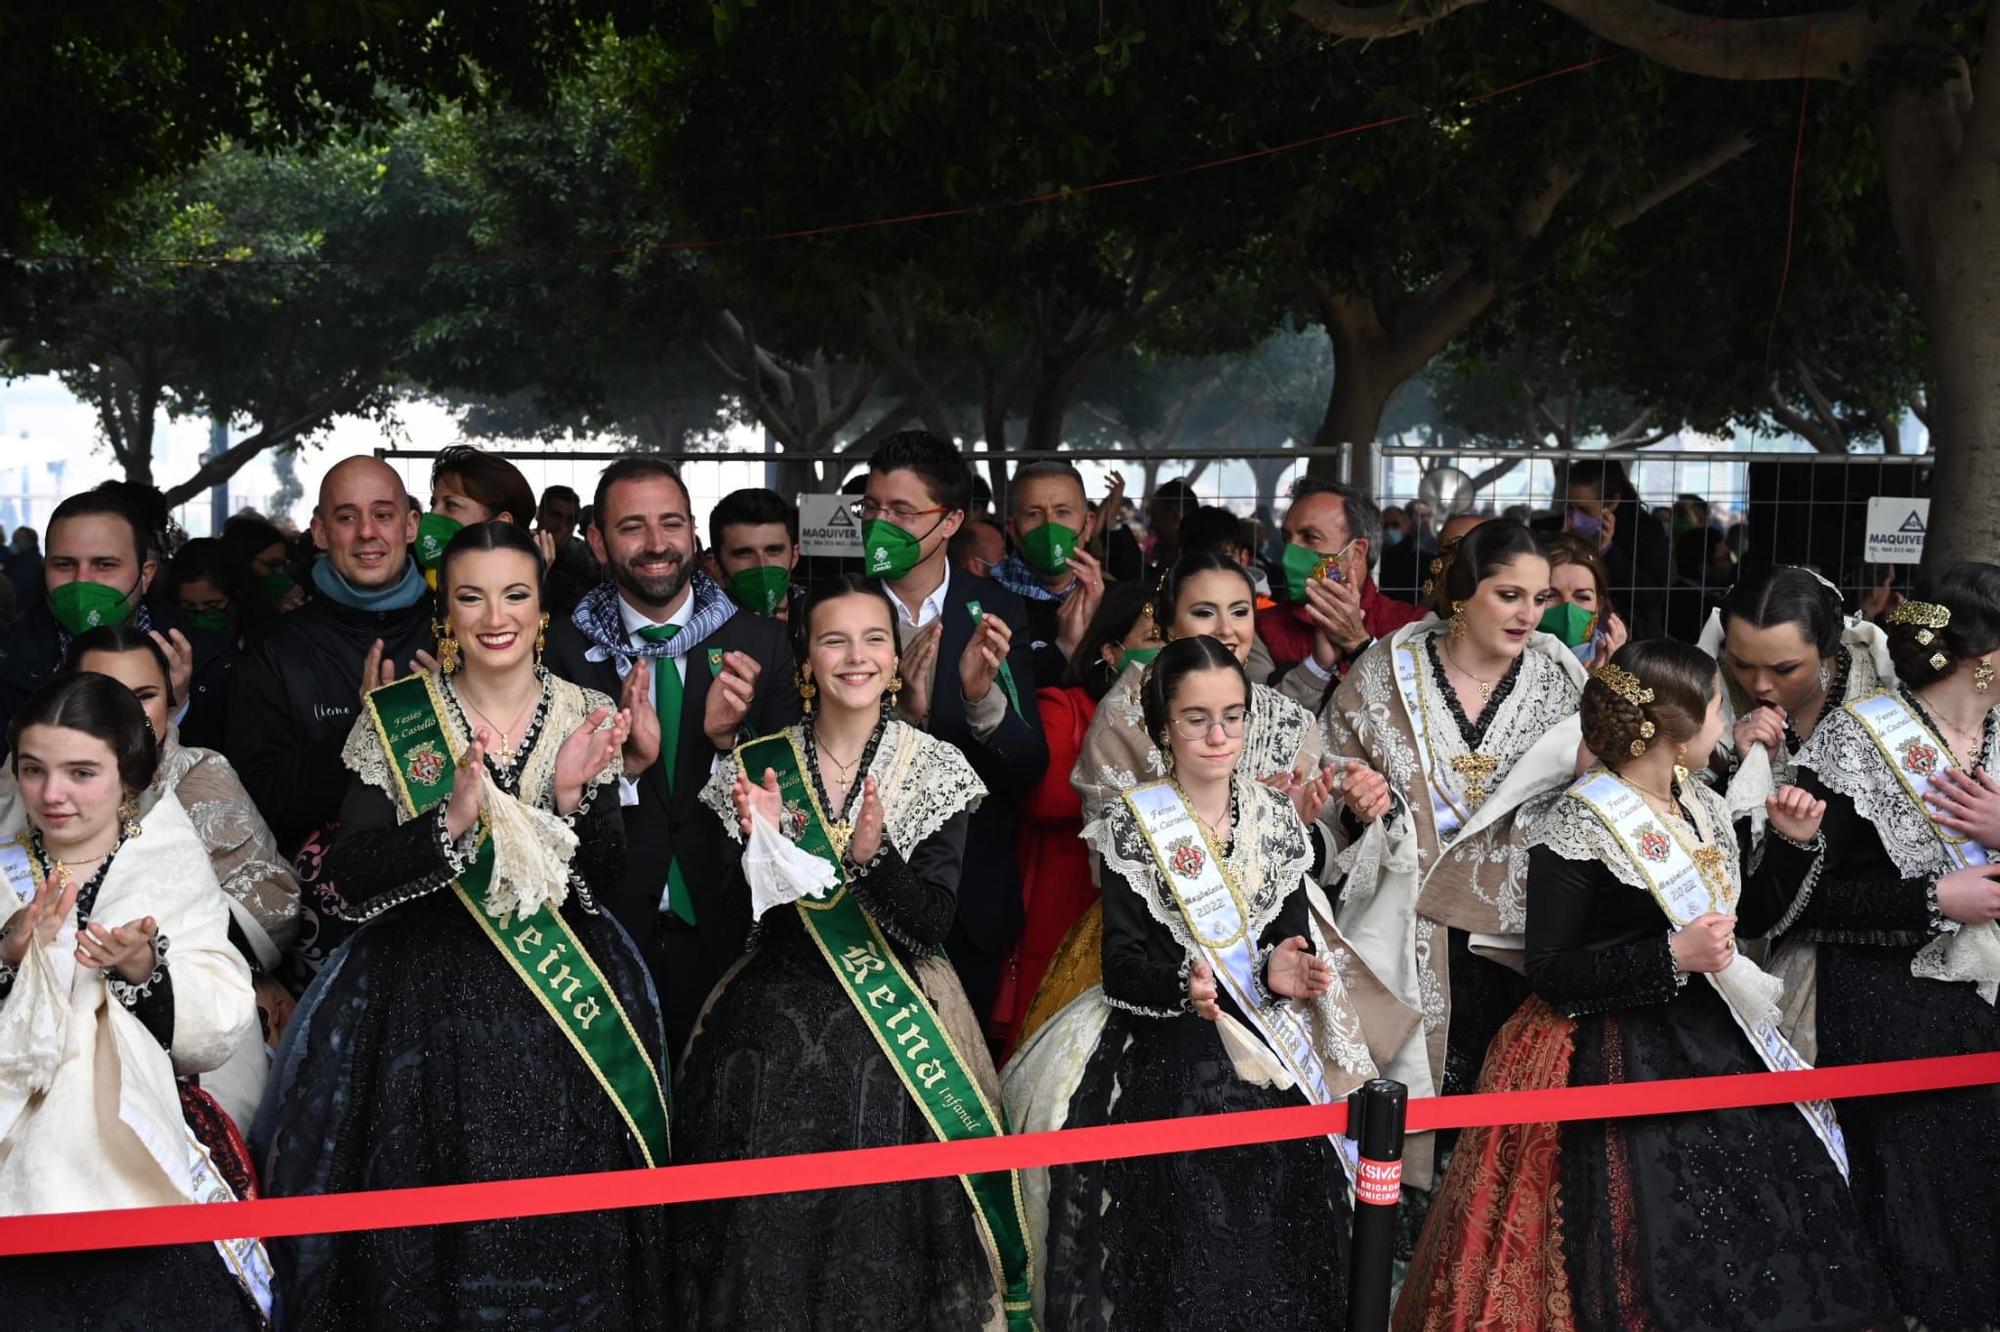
780	871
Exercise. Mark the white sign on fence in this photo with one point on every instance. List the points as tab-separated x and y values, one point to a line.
1896	530
827	526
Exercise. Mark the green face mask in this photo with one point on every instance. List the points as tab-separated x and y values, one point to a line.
434	533
1140	657
276	583
1569	622
887	550
215	621
1047	547
1303	564
80	607
761	589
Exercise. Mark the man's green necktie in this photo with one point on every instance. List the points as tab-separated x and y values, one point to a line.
667	702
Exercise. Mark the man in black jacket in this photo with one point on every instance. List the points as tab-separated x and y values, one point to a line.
297	692
968	677
659	632
98	569
1601	507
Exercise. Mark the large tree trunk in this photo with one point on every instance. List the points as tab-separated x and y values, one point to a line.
1362	386
1964	324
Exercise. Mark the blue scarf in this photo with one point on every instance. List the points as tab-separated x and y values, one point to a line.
598	617
397	596
1019	577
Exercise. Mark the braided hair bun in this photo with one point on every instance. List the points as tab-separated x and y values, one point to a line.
1652	692
1966	597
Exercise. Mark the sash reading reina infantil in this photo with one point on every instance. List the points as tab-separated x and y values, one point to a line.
1676	882
901	1019
1210	903
548	959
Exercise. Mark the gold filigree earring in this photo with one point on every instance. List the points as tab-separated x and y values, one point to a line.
1458	619
1166	753
128	818
447	647
807	689
1982	675
541	638
1680	766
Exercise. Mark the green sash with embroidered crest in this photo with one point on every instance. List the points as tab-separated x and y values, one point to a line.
540	949
900	1018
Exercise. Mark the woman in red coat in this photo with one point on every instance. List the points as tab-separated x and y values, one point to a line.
1055	864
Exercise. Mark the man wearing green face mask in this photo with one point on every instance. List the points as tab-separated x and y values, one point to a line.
753	535
967	677
99	566
1050	523
1330	609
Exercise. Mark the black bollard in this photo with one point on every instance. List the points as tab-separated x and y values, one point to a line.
1375	1122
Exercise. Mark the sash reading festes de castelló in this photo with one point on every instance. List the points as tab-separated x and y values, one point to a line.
1477	770
1676	881
539	948
1917	757
901	1019
1210	903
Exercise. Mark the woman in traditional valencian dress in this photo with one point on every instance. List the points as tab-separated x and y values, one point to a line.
1214	999
116	973
1790	657
845	1026
1470	718
257	883
488	1021
1204	593
1909	962
1732	1219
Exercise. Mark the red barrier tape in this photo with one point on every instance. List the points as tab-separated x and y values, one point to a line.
455	1203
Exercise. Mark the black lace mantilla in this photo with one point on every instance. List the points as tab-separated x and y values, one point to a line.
1473	733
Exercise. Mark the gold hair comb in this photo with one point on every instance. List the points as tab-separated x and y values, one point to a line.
1624	684
1927	614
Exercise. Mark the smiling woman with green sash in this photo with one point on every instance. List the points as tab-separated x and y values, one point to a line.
488	1021
845	1026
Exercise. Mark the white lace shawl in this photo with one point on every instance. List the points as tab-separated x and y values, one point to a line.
1847	759
1270	857
1573	831
923	781
1467	879
1118	755
1843	755
569	706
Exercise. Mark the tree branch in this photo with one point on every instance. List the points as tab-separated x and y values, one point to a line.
1691	173
1375	22
1833	44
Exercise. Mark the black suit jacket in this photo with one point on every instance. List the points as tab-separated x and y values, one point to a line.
1010	761
671	821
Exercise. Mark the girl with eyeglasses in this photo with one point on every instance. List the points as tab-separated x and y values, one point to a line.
1215	998
1204	594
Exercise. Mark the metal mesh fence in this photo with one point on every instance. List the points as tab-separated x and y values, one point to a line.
1675	557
